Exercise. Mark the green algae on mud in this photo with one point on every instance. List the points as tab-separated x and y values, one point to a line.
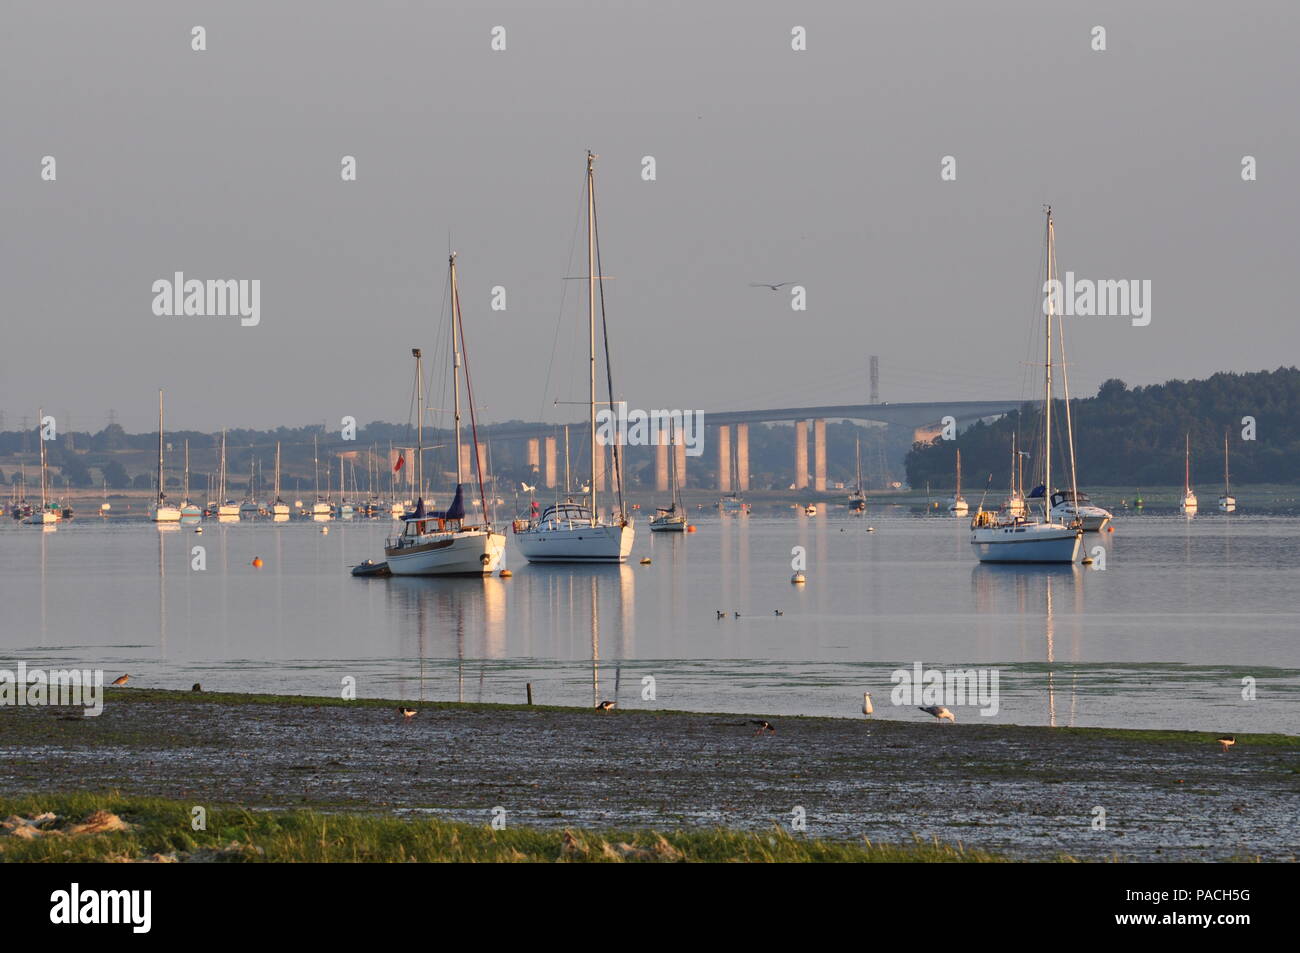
161	831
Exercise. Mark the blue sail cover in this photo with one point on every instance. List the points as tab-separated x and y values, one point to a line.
457	509
1039	491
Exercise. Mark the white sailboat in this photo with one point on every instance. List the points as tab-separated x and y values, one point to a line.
957	506
858	498
573	532
1014	505
1017	539
227	509
162	511
440	543
190	511
321	509
670	519
1227	502
1189	504
279	508
49	513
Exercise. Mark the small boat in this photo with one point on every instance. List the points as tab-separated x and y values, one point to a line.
1188	504
810	509
1227	502
162	511
49	511
227	509
858	499
190	511
279	508
957	505
670	519
1067	506
321	508
733	503
1014	505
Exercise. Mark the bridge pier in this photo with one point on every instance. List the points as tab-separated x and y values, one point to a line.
800	454
550	462
742	457
819	455
724	458
534	458
680	459
661	464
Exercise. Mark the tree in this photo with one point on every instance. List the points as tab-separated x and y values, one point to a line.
115	475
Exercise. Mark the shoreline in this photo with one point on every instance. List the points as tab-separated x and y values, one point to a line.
1014	792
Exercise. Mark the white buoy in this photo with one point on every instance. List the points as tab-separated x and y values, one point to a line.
798	579
324	530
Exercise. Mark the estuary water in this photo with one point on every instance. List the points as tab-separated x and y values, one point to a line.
1179	623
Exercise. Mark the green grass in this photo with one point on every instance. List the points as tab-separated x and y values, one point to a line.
236	835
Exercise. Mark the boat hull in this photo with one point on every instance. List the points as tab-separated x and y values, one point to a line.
1027	543
668	526
1093	518
165	514
467	553
576	543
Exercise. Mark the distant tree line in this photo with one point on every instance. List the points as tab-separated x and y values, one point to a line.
1135	436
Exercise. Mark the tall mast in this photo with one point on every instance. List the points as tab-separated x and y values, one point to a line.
315	465
568	483
1187	462
1225	463
186	489
221	480
40	439
455	363
591	314
419	422
160	446
1047	393
277	471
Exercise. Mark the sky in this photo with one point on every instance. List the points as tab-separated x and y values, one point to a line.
819	167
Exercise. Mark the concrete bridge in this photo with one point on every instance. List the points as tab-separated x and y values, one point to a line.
924	420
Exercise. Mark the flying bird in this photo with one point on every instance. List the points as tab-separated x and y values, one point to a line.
407	713
940	712
762	726
527	488
605	706
1227	741
867	708
121	679
764	284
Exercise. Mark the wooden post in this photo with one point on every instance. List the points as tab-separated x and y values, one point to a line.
530	693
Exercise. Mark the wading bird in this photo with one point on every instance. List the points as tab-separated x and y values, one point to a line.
197	687
605	706
121	679
940	712
1227	741
762	726
867	709
407	713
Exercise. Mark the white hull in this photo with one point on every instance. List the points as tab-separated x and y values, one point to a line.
1227	504
669	525
467	552
42	518
1093	518
1189	504
1027	543
165	514
228	510
280	510
958	508
576	543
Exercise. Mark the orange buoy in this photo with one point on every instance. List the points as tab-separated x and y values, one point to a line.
505	574
690	528
257	562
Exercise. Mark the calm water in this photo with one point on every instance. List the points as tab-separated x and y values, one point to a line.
1162	637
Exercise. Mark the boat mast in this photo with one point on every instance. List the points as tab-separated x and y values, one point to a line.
221	479
277	471
419	422
315	465
40	439
1187	463
186	490
591	316
455	366
1047	392
160	447
1225	463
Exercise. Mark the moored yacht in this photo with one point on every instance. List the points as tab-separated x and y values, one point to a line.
1189	504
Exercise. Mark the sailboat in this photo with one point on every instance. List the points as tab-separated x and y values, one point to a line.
1227	502
671	519
569	531
438	542
858	499
227	509
249	506
190	511
320	508
49	512
1019	539
346	509
162	511
957	505
1189	504
279	508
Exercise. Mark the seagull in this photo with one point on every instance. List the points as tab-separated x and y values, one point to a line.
605	706
777	612
721	614
1227	741
762	726
764	284
407	713
121	679
940	712
867	709
737	615
527	488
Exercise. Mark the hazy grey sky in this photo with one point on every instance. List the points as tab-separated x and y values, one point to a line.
819	166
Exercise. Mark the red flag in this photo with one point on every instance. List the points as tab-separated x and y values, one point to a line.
401	458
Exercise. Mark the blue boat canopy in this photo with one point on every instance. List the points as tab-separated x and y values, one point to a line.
454	512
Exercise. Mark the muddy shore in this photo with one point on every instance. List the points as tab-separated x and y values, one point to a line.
1027	792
